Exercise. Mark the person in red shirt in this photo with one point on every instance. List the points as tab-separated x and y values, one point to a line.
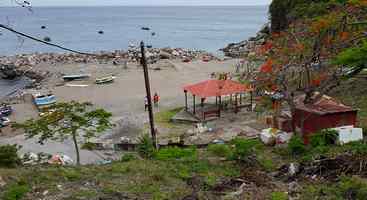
156	99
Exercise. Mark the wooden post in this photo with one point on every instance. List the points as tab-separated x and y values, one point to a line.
220	104
149	96
194	105
251	100
186	107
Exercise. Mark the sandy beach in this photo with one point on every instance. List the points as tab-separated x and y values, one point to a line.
124	98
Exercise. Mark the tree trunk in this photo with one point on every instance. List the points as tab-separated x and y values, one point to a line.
76	148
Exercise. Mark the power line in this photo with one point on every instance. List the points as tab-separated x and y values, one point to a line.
44	42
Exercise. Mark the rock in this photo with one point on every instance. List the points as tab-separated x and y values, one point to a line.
45	193
164	55
8	72
293	169
2	182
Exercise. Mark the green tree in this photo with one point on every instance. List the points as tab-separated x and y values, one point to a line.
68	120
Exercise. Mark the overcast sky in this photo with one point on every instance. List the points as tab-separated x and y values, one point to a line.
137	2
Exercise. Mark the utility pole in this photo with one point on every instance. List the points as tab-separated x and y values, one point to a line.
149	97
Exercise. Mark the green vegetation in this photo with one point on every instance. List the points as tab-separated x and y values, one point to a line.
324	138
16	191
296	145
173	153
221	150
9	156
68	120
146	147
347	188
279	196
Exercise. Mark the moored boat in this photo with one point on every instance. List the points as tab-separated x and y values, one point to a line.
44	100
4	121
75	77
5	110
105	80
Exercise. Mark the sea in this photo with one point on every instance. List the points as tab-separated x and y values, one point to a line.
93	29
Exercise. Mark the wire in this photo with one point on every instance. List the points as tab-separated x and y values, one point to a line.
44	42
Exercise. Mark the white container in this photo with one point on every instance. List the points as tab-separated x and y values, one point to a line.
348	134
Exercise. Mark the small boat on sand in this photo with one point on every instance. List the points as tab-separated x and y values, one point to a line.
104	80
44	100
76	77
5	110
4	121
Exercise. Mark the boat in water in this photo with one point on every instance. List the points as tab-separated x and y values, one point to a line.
44	100
104	80
76	77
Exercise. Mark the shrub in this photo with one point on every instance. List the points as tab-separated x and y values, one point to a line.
127	158
145	146
243	149
89	146
16	191
220	150
353	188
296	145
279	196
9	156
174	153
324	138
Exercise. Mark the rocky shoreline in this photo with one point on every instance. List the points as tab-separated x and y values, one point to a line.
24	64
245	48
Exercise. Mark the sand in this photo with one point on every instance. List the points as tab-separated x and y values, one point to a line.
124	98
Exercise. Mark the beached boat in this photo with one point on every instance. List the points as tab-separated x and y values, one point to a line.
105	80
75	77
44	100
4	121
5	110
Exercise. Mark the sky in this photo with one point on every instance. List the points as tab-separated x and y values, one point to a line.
137	2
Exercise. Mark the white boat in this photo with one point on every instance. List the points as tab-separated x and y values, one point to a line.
4	121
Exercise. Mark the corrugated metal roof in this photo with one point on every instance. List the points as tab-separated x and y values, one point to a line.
325	105
213	88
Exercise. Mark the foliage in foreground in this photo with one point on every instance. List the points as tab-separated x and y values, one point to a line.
68	120
9	156
347	188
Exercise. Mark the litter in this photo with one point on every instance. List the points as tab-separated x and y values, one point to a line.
268	136
60	160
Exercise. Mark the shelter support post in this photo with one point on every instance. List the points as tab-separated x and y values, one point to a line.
186	107
220	105
194	104
251	99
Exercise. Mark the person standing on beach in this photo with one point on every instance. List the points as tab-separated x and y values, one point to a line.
146	104
156	99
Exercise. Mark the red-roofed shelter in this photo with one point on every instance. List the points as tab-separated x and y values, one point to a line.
217	89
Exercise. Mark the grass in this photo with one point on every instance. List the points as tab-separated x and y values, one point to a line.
166	116
164	177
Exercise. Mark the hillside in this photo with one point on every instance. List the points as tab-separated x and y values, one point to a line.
311	47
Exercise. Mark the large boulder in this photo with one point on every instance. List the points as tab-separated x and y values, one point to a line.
8	72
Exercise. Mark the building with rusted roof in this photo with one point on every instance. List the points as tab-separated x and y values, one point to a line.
323	114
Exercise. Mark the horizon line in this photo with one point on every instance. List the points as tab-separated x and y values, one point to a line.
138	5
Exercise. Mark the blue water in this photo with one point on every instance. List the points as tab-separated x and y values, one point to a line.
206	28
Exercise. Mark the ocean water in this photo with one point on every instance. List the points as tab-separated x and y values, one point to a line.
206	28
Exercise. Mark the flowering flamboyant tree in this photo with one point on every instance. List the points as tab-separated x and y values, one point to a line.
310	57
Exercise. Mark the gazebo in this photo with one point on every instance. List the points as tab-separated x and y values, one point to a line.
217	89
